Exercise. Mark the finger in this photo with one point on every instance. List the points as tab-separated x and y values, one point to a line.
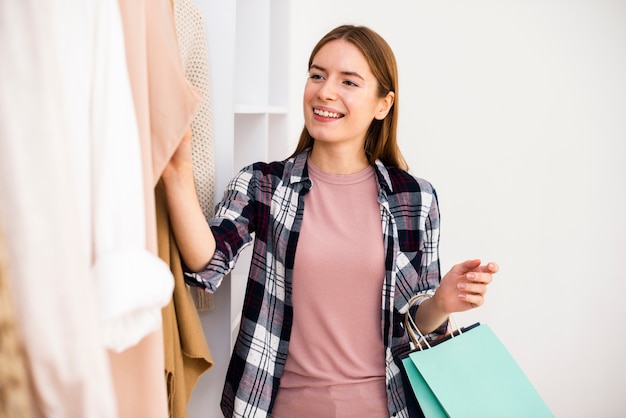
472	299
476	277
473	288
490	267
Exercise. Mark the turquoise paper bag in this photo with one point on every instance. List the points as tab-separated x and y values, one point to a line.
472	375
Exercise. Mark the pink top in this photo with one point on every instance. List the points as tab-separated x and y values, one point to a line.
336	360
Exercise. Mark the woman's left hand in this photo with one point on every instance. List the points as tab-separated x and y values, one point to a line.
464	286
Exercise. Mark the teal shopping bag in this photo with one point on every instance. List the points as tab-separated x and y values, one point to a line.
472	375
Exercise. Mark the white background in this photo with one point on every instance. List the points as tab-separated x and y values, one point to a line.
516	112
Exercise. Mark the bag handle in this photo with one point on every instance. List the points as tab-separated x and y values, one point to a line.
415	334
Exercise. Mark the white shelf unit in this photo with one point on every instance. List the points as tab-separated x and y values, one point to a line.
261	81
260	104
248	52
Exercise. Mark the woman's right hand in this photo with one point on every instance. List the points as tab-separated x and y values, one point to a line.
191	230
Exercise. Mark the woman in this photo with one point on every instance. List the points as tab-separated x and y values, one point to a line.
321	331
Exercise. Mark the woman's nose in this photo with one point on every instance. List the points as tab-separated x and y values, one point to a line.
327	90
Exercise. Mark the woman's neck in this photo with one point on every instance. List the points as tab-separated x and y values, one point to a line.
339	161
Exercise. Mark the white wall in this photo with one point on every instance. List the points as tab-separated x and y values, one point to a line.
516	112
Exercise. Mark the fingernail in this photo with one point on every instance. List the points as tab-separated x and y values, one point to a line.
461	286
471	276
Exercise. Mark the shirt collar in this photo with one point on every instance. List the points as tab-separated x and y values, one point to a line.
383	176
296	167
298	171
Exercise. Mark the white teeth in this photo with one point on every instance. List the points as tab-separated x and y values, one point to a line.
326	113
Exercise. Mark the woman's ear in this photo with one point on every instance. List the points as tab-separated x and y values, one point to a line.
385	105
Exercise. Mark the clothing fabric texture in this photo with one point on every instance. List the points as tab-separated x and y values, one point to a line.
336	363
71	201
15	391
187	354
267	200
164	104
165	101
132	283
194	55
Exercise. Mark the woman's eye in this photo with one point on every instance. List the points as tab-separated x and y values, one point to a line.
315	76
350	83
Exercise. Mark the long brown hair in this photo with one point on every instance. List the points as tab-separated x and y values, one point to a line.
380	141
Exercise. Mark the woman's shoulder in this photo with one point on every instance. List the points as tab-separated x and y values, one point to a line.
272	174
409	193
405	182
264	168
290	169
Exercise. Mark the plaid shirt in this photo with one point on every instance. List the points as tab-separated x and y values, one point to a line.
267	200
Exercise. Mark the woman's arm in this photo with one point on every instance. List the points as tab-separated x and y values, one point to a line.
191	230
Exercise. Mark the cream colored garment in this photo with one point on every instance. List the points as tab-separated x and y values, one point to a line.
132	283
165	103
45	76
195	58
72	188
15	391
135	33
174	101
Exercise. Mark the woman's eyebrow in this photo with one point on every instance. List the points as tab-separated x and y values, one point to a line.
345	73
317	67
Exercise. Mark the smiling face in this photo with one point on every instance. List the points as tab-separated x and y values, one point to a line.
341	96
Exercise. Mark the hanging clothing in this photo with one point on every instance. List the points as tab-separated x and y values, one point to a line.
195	59
172	102
15	391
194	55
132	283
164	104
165	101
187	354
46	76
72	207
